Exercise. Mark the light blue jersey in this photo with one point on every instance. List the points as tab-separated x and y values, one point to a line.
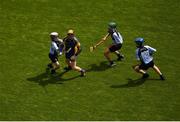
117	38
144	54
53	48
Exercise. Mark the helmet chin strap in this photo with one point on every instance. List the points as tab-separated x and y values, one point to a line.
139	45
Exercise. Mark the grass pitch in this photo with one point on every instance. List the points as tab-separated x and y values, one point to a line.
27	92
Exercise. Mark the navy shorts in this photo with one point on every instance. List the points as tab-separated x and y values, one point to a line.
54	58
69	55
115	47
146	66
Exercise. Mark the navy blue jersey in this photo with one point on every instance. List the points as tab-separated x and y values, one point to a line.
70	44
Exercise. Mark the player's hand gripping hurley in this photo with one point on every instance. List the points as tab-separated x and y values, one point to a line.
92	48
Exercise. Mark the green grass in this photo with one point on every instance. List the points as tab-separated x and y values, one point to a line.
27	93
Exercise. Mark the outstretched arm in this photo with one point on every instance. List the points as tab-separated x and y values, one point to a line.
102	40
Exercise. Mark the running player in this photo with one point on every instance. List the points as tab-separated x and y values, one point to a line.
144	54
72	49
115	46
55	49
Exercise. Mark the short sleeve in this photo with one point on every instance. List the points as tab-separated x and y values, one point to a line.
151	50
54	45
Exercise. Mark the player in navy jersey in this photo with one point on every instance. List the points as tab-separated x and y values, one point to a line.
55	50
115	46
144	55
72	49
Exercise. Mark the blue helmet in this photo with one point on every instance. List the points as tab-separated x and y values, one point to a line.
139	40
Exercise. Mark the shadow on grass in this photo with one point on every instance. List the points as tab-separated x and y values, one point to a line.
132	83
98	67
45	78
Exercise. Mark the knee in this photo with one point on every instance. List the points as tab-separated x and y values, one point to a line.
106	53
73	67
67	61
136	67
57	65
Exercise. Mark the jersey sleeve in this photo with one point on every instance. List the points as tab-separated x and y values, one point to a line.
54	45
60	41
151	50
76	40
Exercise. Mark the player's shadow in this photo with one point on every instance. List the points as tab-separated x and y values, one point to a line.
98	67
131	83
45	78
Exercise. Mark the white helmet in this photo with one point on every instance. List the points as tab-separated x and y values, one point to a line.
54	34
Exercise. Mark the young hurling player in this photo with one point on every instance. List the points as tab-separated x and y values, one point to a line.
72	49
144	54
55	49
115	46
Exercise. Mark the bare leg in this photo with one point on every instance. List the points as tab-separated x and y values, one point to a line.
74	67
107	54
136	68
68	62
55	66
156	69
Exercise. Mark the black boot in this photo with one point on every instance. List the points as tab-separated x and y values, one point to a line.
145	76
50	65
83	73
67	68
120	57
111	64
162	77
53	71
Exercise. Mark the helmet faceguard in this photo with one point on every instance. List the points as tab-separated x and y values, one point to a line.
139	42
54	35
111	30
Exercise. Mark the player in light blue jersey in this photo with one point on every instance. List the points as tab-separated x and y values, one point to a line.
144	55
55	50
115	46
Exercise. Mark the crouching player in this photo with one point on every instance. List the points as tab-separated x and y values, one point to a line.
55	49
144	54
72	49
115	46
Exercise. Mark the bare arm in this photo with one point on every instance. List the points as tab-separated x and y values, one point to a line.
78	49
